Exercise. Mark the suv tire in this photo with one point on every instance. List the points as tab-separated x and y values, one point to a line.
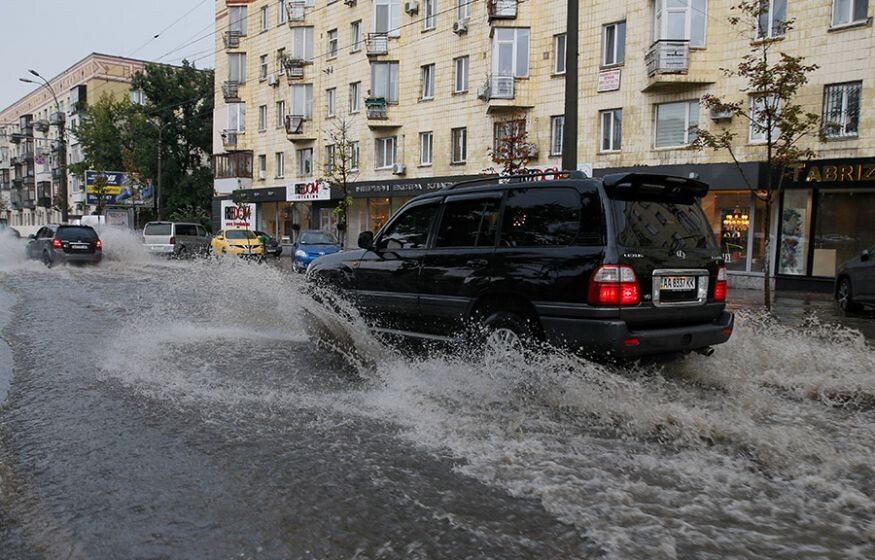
507	328
845	295
47	260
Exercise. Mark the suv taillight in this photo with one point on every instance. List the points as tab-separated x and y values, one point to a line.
613	284
56	244
173	240
721	288
98	245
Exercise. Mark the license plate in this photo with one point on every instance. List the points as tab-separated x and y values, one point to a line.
79	246
677	283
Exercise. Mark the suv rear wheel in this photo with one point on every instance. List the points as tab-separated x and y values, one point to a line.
507	329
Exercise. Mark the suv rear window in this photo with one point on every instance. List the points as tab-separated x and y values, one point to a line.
157	229
668	225
545	216
76	233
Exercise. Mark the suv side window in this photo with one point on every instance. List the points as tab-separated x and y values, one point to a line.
43	233
410	230
468	223
186	230
545	216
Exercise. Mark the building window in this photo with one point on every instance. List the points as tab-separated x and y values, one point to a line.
237	20
262	167
353	156
759	106
557	132
355	95
262	118
265	19
280	114
676	124
770	22
237	67
463	9
459	138
331	101
429	21
611	129
614	43
302	43
387	17
426	146
302	100
280	55
845	12
305	162
280	12
332	43
355	36
330	151
280	164
510	52
559	53
675	20
384	80
508	135
262	67
841	110
237	117
385	152
427	91
460	81
138	97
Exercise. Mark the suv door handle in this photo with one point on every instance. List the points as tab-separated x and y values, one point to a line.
477	263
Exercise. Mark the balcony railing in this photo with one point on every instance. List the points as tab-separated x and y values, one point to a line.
234	165
297	10
230	138
232	39
231	90
294	124
377	108
668	57
501	87
5	185
502	9
294	68
377	43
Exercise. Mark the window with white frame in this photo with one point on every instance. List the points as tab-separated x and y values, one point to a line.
463	9
560	54
265	19
305	162
459	140
770	22
614	43
680	20
237	117
387	17
510	52
355	36
237	20
262	166
262	118
332	43
676	124
302	100
355	95
237	67
331	101
280	113
846	12
279	161
262	67
427	90
302	43
384	80
330	153
841	109
762	108
426	147
353	156
280	12
280	55
429	9
507	134
460	79
611	129
557	132
385	152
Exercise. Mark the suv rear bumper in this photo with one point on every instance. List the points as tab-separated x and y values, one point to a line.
616	339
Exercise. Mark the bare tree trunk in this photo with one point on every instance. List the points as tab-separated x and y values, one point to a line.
767	286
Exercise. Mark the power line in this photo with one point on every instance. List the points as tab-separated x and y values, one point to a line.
157	35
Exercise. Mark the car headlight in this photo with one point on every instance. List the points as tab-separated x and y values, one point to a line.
300	253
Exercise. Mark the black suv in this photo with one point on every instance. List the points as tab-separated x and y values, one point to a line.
626	265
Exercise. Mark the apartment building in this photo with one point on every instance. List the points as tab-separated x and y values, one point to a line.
29	163
427	87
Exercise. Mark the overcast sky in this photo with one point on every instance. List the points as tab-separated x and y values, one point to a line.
52	35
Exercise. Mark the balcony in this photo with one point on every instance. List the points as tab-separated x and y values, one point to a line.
5	185
26	157
41	125
232	39
297	11
377	44
230	138
232	171
231	91
44	195
501	87
28	203
669	67
294	68
502	9
377	108
299	128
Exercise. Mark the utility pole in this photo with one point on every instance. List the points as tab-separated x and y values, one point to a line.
569	133
158	183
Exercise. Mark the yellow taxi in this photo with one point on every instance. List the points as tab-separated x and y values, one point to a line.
242	242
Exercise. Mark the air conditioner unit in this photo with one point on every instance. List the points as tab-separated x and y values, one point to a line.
460	26
272	80
720	115
399	169
411	7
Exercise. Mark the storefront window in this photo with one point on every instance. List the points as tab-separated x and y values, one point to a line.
736	218
379	210
795	218
844	228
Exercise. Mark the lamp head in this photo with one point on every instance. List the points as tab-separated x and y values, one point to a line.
25	80
34	72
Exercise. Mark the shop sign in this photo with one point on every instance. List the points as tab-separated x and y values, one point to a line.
609	80
834	171
406	187
234	216
313	190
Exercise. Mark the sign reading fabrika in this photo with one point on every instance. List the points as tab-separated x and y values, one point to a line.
113	188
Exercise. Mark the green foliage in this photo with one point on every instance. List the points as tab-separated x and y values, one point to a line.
193	214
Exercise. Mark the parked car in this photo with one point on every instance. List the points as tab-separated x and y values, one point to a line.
855	282
622	266
176	239
310	245
272	247
62	243
241	242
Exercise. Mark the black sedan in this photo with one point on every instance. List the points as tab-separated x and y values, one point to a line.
271	246
855	282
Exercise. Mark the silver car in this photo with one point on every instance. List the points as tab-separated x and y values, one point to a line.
65	244
176	239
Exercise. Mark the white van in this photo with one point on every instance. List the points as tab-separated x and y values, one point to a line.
176	239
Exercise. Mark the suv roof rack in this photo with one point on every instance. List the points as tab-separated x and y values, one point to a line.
655	183
518	178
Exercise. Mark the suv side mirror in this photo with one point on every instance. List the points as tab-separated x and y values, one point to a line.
864	256
366	240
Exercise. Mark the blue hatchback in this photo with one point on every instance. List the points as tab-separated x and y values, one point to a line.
312	244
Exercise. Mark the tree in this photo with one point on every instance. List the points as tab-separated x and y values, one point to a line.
772	82
99	192
341	168
512	150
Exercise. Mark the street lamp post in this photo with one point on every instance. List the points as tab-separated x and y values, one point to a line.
62	143
569	133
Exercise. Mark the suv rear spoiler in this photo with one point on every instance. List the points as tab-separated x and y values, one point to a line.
625	185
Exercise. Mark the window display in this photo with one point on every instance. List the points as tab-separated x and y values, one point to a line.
793	256
736	218
844	228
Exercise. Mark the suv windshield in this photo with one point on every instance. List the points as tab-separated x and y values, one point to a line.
654	224
157	229
318	238
240	234
76	233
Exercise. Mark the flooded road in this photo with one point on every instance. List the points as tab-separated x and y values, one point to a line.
179	410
